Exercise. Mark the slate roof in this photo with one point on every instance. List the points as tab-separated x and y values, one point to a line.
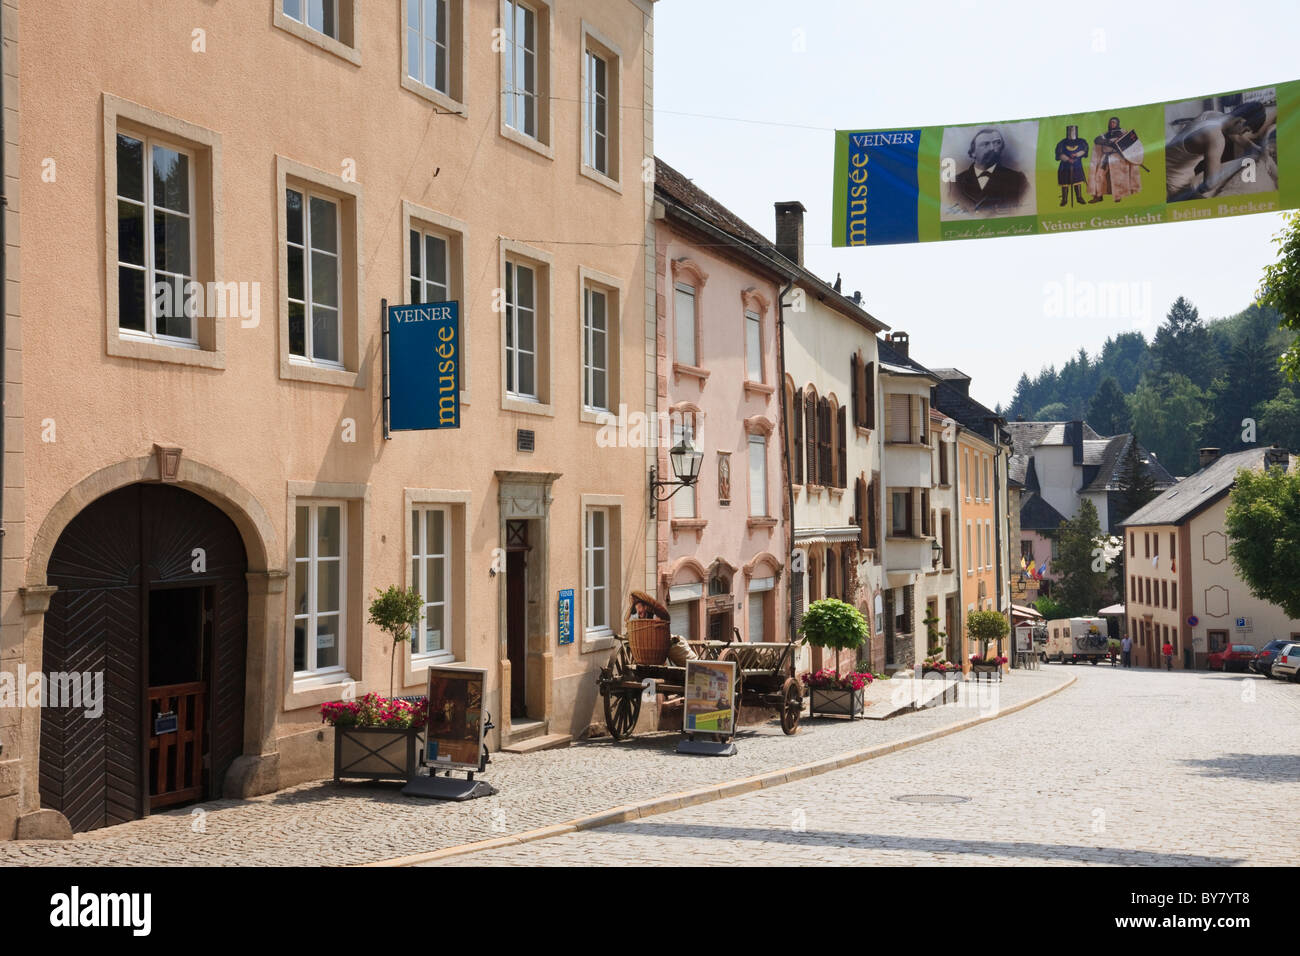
1111	465
1037	515
1175	505
964	409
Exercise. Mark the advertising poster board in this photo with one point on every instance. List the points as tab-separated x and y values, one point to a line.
454	734
710	707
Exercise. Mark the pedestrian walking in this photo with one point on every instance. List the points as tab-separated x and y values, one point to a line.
1168	651
1126	648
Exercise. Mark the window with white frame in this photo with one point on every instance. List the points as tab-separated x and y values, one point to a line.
427	50
753	347
321	15
521	67
430	575
156	240
684	498
429	274
319	588
761	595
596	546
595	352
684	324
313	230
757	476
596	109
521	331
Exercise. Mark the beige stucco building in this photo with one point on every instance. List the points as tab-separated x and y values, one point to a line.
208	499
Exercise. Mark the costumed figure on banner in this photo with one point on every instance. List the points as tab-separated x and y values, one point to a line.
1070	153
1116	163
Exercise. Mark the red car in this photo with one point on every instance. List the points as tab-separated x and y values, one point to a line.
1234	657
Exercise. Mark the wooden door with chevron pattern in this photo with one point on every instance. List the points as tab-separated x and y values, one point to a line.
152	596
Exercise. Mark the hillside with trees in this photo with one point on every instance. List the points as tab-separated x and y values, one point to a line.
1188	388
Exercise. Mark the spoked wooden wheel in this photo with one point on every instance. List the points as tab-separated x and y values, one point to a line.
791	706
738	689
622	708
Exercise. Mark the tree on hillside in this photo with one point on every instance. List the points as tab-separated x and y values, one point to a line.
1081	587
1183	345
1263	525
1136	486
1108	412
1125	357
1279	419
1054	412
1280	289
1248	373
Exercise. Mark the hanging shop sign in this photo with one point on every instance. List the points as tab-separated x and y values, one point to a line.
1205	157
422	359
566	616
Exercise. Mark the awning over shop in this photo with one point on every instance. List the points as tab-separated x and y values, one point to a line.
1029	613
1112	609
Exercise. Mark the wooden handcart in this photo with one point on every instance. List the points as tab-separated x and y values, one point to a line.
764	678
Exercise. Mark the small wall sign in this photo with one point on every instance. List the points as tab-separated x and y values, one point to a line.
164	723
566	616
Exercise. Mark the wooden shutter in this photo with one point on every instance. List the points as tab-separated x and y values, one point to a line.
842	451
796	452
810	436
868	394
925	511
855	375
873	512
900	418
860	508
825	474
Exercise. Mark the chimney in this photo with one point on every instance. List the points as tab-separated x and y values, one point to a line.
1275	457
857	297
1074	432
789	230
899	342
1209	456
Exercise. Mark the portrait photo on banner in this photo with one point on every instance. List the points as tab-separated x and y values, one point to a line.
1222	146
987	171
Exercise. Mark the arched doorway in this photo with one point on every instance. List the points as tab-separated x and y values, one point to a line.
152	595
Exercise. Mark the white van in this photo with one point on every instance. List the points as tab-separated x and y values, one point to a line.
1074	639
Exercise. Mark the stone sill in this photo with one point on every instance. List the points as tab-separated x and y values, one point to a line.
761	523
694	371
760	388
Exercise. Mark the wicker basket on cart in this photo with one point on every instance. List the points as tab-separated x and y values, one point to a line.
648	639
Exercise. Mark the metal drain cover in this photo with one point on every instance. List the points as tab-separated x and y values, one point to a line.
931	798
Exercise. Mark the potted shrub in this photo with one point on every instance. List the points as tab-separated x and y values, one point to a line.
376	738
934	637
833	625
395	612
986	626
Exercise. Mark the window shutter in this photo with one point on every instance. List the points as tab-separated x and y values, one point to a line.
925	511
756	633
824	438
796	599
860	507
810	436
843	448
868	393
900	418
855	374
873	512
796	454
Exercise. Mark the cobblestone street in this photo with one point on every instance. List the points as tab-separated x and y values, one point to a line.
324	823
1132	767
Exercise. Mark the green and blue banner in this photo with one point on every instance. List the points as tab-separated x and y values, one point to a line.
1227	154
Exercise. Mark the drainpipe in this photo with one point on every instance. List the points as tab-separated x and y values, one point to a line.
785	456
4	283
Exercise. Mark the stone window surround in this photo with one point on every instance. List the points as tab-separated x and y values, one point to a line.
597	42
456	232
457	504
455	100
136	119
688	271
542	264
543	144
612	286
347	47
290	174
751	300
613	505
311	692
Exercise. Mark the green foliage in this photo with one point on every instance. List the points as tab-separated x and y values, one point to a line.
1280	289
395	611
1108	411
1279	419
1136	486
934	636
1263	525
1183	345
1080	587
985	626
1051	609
832	624
1055	412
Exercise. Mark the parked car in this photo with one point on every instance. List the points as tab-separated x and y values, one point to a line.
1262	662
1287	662
1234	657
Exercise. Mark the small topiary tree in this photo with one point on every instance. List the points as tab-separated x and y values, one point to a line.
985	626
395	612
833	625
934	636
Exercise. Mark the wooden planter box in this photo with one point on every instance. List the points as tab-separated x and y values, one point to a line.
839	703
377	753
990	669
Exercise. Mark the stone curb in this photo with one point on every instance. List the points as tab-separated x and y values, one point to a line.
717	791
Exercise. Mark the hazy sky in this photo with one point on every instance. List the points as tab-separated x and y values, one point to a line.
980	305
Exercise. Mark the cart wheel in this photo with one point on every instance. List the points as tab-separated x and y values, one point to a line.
791	706
737	692
621	712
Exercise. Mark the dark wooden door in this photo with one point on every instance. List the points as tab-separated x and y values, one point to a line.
105	564
517	629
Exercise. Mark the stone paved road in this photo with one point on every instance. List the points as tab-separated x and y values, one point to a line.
327	824
1125	767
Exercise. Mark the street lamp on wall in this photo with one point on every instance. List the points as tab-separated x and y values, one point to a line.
685	459
936	552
